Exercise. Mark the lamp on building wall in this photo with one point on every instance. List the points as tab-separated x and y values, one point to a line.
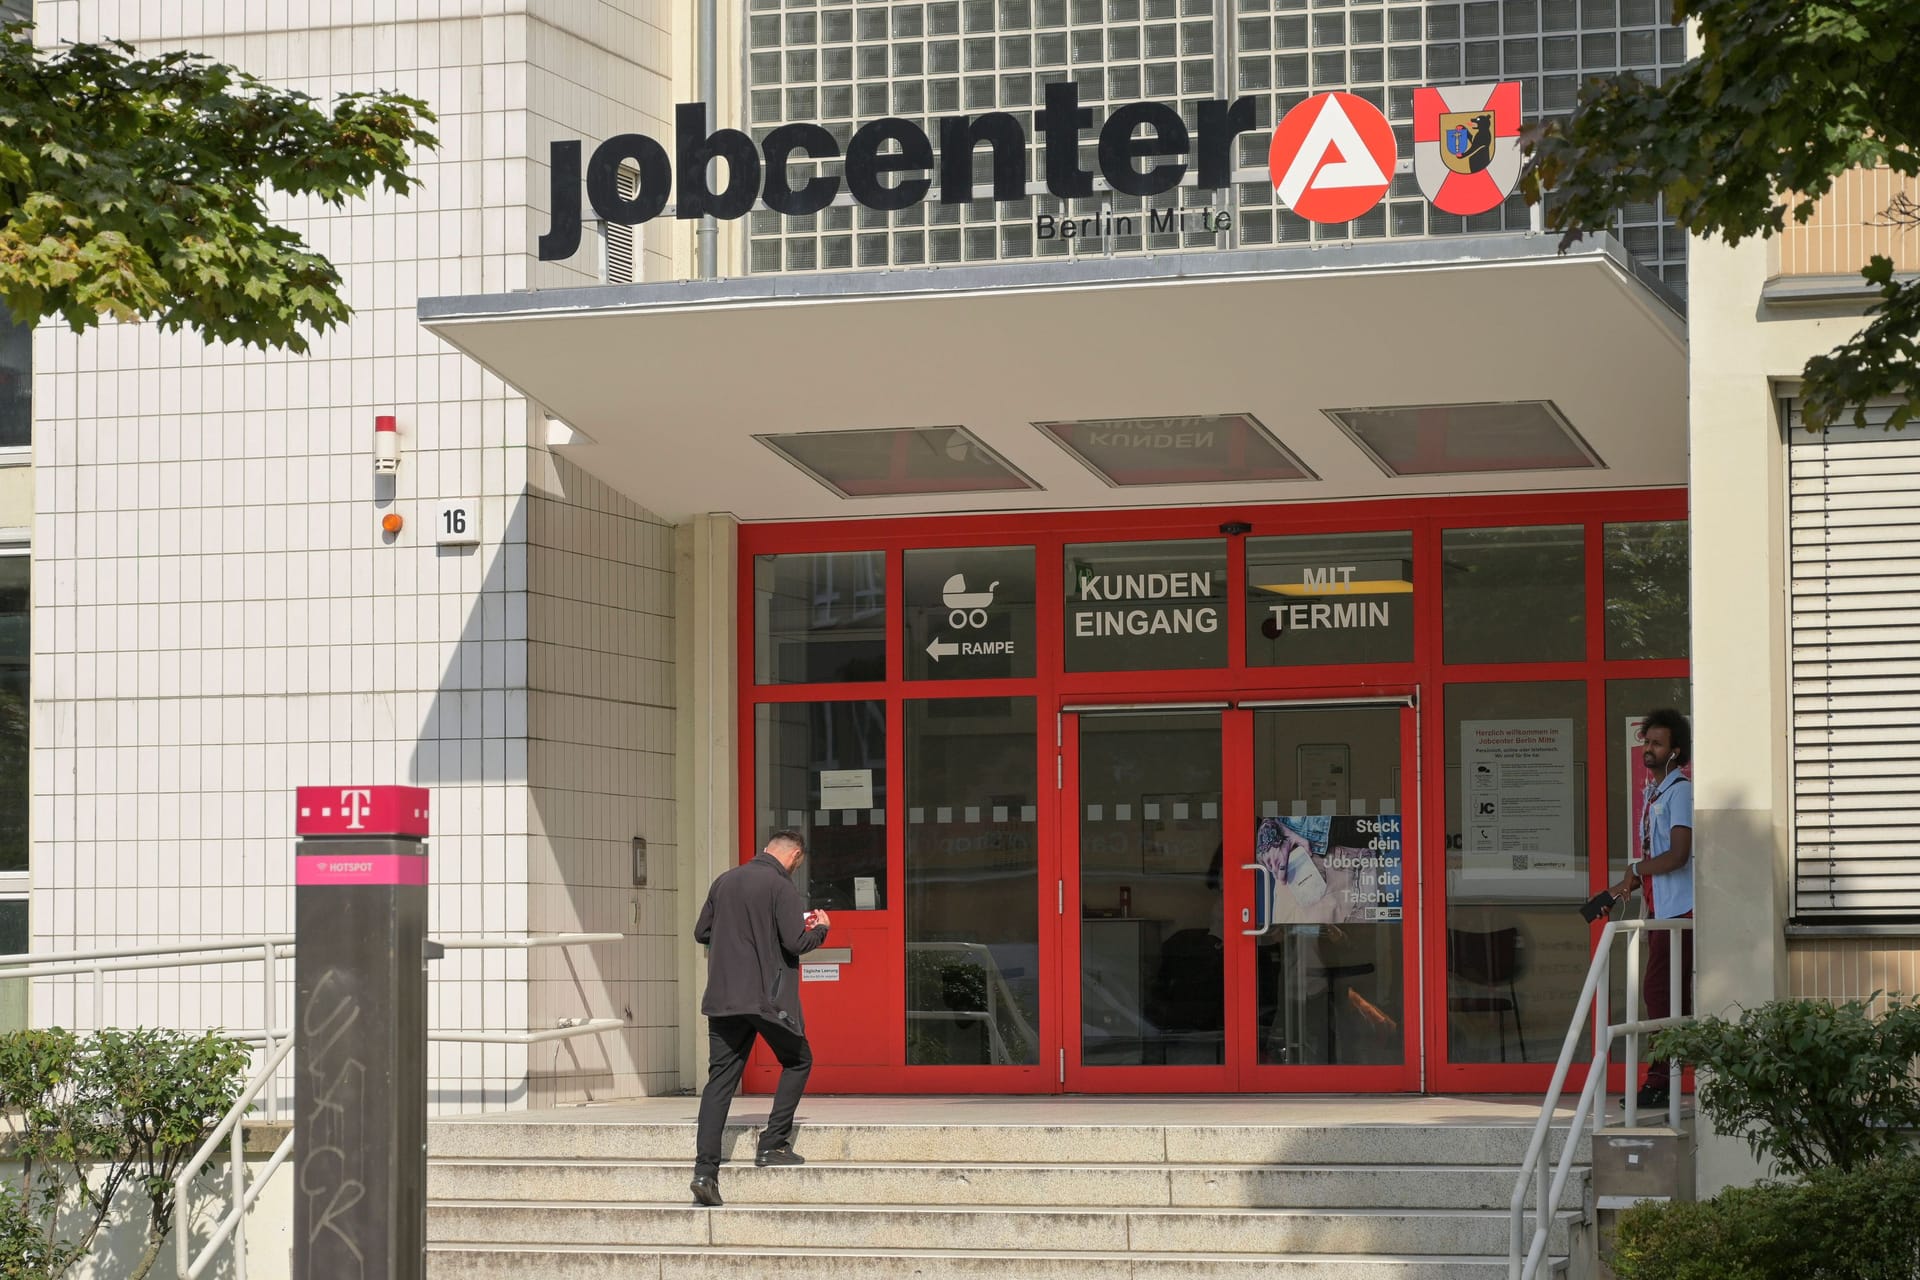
386	444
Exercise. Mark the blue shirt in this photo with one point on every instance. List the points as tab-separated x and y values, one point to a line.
1667	803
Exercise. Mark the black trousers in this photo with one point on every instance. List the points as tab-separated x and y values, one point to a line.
729	1041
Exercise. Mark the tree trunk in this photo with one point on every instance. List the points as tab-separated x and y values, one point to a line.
149	1257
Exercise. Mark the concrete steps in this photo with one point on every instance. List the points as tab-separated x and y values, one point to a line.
995	1227
1006	1143
514	1181
596	1262
561	1199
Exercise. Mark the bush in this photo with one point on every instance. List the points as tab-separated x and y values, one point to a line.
89	1117
1837	1224
1807	1083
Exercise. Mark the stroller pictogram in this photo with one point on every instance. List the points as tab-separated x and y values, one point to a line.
969	607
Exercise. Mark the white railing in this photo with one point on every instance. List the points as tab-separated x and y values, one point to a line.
566	1029
265	949
275	1044
244	1191
1548	1180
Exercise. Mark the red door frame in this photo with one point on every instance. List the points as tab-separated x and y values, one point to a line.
881	933
1241	1072
1401	1077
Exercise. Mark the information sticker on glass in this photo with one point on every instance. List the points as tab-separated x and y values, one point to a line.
863	893
1517	792
969	613
1140	606
846	788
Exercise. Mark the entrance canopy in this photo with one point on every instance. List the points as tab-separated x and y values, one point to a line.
1478	364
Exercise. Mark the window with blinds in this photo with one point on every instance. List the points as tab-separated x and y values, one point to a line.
1854	552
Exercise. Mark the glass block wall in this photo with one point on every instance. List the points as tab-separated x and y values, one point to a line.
844	62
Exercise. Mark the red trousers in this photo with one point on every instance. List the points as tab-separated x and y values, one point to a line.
1656	988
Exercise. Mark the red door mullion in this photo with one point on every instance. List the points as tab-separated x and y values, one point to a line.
1238	790
1236	623
1059	760
1413	925
1067	960
1597	822
1431	801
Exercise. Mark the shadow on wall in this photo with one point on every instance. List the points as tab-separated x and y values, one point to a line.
469	732
555	703
122	1243
600	664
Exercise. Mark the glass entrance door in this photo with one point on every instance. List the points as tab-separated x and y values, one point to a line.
1147	894
1330	1001
1235	900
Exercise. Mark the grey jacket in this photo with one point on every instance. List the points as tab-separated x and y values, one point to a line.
753	925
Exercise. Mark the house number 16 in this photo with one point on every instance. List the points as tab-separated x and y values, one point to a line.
459	524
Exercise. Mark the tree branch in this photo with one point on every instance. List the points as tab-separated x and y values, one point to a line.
1901	211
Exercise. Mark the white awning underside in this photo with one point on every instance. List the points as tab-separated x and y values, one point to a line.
670	384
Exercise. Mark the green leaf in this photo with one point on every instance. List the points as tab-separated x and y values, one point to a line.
112	163
1786	96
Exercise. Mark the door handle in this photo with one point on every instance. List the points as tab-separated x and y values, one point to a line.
1271	887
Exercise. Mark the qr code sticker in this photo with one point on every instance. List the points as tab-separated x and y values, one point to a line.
1519	862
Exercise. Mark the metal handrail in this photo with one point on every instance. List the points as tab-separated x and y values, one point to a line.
586	1026
245	1191
1525	1254
172	949
492	943
190	1265
97	964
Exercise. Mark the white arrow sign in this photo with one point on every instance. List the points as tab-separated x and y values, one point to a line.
942	649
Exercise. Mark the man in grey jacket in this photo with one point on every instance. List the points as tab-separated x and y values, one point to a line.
756	927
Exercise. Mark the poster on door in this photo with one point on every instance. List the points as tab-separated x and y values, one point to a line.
1331	870
1639	783
1517	784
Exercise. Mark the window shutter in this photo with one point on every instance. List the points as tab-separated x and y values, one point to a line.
620	243
1854	553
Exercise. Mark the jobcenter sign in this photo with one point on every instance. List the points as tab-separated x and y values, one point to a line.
1143	149
886	160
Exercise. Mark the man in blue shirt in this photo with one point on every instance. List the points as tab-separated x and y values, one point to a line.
1663	869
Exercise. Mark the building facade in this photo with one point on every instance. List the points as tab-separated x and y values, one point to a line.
1806	886
1203	656
219	617
16	543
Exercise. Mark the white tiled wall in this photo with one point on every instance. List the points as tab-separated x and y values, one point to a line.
218	618
601	714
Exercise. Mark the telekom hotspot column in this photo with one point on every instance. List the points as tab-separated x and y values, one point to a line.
360	1023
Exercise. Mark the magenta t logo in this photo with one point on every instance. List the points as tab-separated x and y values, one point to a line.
356	805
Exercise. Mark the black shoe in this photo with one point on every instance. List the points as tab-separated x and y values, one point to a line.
706	1190
778	1158
1652	1095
